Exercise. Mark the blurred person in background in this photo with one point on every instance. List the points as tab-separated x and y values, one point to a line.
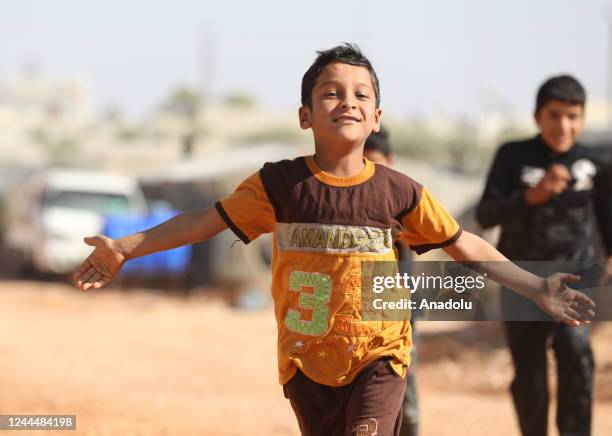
549	193
378	149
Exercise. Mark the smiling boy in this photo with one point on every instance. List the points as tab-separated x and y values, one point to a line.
549	193
328	213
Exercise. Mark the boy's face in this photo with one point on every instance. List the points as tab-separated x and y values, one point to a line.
343	106
560	124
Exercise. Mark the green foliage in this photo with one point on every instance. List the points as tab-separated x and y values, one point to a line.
63	150
458	150
59	148
183	101
240	99
283	135
513	133
128	134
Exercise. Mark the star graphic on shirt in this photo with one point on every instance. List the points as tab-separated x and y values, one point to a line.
298	344
322	354
351	348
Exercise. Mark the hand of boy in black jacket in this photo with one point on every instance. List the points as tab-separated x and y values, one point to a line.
554	182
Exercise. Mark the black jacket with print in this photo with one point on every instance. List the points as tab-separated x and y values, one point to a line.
561	229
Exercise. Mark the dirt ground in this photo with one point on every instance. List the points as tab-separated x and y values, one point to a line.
138	363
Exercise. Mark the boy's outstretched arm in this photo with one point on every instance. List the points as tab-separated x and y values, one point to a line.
109	254
552	293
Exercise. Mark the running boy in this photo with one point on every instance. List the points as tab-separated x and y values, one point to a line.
329	212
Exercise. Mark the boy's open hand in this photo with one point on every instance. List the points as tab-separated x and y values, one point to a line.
101	266
563	303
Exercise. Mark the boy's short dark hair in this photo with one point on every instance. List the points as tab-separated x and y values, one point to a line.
346	53
564	88
379	141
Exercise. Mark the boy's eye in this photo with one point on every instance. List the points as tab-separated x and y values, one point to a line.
331	94
361	95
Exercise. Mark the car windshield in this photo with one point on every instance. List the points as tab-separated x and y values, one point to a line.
100	202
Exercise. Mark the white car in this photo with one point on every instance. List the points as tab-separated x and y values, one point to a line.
49	214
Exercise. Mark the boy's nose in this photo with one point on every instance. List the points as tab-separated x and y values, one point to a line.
349	103
566	124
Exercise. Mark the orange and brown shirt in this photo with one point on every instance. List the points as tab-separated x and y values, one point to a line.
324	227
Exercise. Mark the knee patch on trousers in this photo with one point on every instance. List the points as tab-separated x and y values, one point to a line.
365	427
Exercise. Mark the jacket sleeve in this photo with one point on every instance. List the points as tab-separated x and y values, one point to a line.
502	196
603	203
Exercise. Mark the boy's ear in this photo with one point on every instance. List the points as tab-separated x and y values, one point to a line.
536	117
305	117
377	117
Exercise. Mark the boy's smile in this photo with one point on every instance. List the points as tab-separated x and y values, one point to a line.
343	106
560	124
347	119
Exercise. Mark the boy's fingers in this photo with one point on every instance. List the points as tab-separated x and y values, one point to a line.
82	268
568	320
573	278
579	316
101	282
589	314
88	278
585	313
95	278
559	171
559	187
90	240
582	308
573	314
102	268
585	301
85	266
89	284
88	274
92	272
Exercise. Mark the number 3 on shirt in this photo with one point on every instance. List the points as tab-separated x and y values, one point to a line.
317	301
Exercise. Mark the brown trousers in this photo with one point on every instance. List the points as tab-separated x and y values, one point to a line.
369	406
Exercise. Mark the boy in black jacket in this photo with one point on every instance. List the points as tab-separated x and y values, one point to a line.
548	193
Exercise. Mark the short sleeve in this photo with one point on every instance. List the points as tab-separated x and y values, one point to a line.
248	211
429	225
